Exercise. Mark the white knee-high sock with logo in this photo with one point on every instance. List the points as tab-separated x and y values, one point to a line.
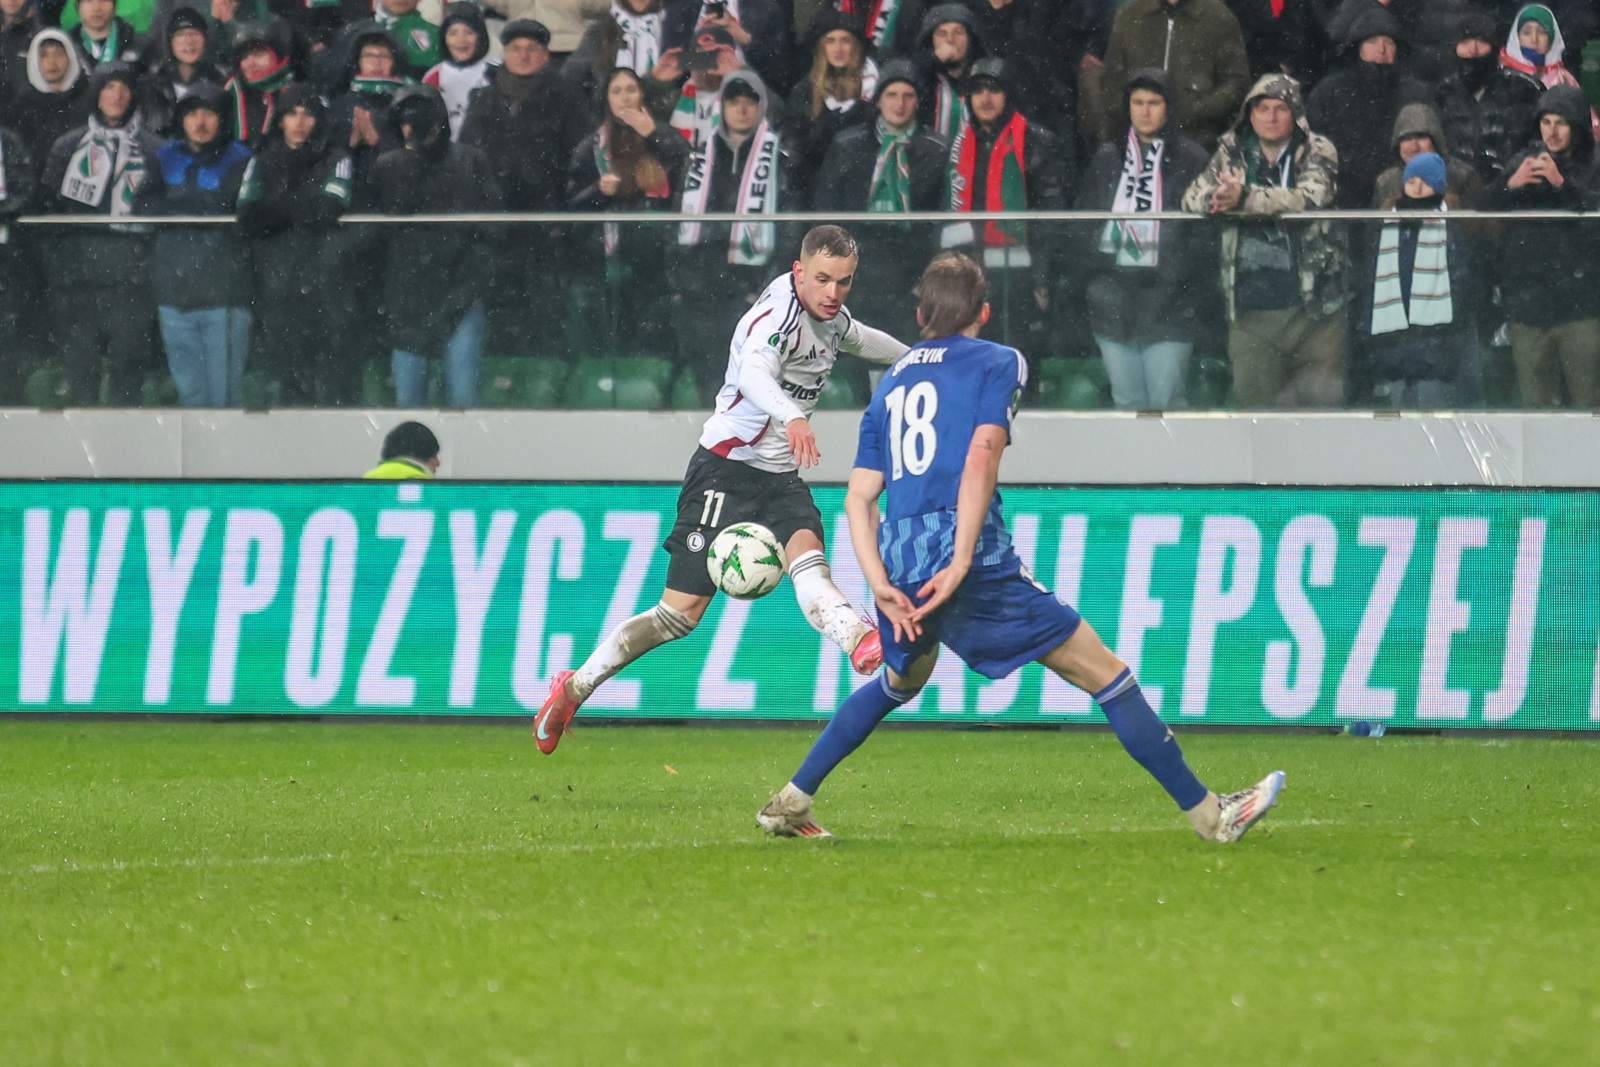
827	609
628	642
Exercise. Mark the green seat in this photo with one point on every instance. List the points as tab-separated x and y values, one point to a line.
838	395
1085	387
642	384
260	391
46	387
542	381
500	382
377	391
686	392
1054	374
592	384
158	390
1209	380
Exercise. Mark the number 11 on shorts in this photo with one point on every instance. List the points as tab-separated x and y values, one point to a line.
711	514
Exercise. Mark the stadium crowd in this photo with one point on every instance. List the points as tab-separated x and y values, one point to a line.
277	117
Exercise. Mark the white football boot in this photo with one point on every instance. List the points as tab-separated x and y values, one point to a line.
1244	809
789	815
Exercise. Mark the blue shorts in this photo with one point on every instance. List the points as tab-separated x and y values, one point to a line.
995	623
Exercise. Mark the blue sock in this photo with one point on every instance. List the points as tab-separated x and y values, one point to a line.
1148	740
861	712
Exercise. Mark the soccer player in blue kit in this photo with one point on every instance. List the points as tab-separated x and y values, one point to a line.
942	569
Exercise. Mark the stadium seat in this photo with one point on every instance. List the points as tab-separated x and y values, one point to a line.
1052	375
1087	388
158	390
46	387
1210	383
377	391
838	395
592	384
686	392
642	384
260	391
542	380
500	382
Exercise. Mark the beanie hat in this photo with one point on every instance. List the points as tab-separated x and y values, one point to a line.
530	28
412	440
1430	168
898	70
1540	14
1476	25
185	18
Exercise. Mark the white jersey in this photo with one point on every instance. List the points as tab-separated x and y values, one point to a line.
778	340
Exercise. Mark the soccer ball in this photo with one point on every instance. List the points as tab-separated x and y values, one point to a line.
746	561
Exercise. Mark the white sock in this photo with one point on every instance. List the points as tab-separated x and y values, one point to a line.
826	609
1206	817
627	643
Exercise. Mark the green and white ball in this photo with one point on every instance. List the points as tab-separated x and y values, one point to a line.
746	561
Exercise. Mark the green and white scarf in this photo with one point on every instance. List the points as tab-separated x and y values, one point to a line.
891	175
1136	244
377	86
640	46
949	113
107	160
751	243
102	51
1430	280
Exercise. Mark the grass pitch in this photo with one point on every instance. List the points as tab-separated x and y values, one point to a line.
194	893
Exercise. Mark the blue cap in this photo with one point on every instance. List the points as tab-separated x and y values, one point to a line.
1430	168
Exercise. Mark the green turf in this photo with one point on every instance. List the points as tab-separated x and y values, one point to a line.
193	893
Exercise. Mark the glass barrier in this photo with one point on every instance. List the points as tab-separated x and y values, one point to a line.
1155	313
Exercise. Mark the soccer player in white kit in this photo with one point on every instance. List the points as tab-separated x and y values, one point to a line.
747	470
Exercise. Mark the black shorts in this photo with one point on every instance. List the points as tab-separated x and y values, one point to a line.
719	492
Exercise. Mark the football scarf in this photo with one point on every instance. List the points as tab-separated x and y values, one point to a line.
890	191
949	114
611	231
106	160
1430	280
267	84
883	16
640	47
751	243
1136	243
695	115
102	51
1006	189
376	86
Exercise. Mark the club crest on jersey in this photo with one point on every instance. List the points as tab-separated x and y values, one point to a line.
697	541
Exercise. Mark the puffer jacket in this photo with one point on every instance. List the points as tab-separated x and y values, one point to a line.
1487	131
1318	247
1198	43
1414	119
1548	270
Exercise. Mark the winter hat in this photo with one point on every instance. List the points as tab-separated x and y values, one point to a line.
1430	168
412	440
532	29
185	18
898	70
740	88
1476	25
471	17
830	19
992	72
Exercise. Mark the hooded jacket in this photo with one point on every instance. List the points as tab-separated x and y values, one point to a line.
373	96
845	181
1198	44
254	103
197	266
1317	247
1147	304
728	164
456	82
940	81
432	274
528	128
1487	127
161	86
808	138
1465	185
40	116
1549	270
1356	106
126	40
15	37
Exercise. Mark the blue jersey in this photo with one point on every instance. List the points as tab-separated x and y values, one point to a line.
917	431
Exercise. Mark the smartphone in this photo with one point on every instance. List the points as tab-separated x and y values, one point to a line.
716	8
694	60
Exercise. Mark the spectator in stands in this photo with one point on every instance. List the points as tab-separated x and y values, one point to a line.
888	166
1536	48
19	21
1356	106
631	163
357	117
1280	36
100	315
1147	279
465	66
1283	283
755	27
53	98
1082	37
1198	44
1484	106
103	36
1417	130
631	35
1003	162
949	41
183	67
528	122
719	269
889	27
1548	283
566	20
1023	33
410	451
435	276
418	35
17	189
200	274
261	55
833	96
288	207
695	111
1418	317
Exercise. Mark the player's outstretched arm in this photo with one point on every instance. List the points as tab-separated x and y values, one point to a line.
872	345
861	506
978	478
